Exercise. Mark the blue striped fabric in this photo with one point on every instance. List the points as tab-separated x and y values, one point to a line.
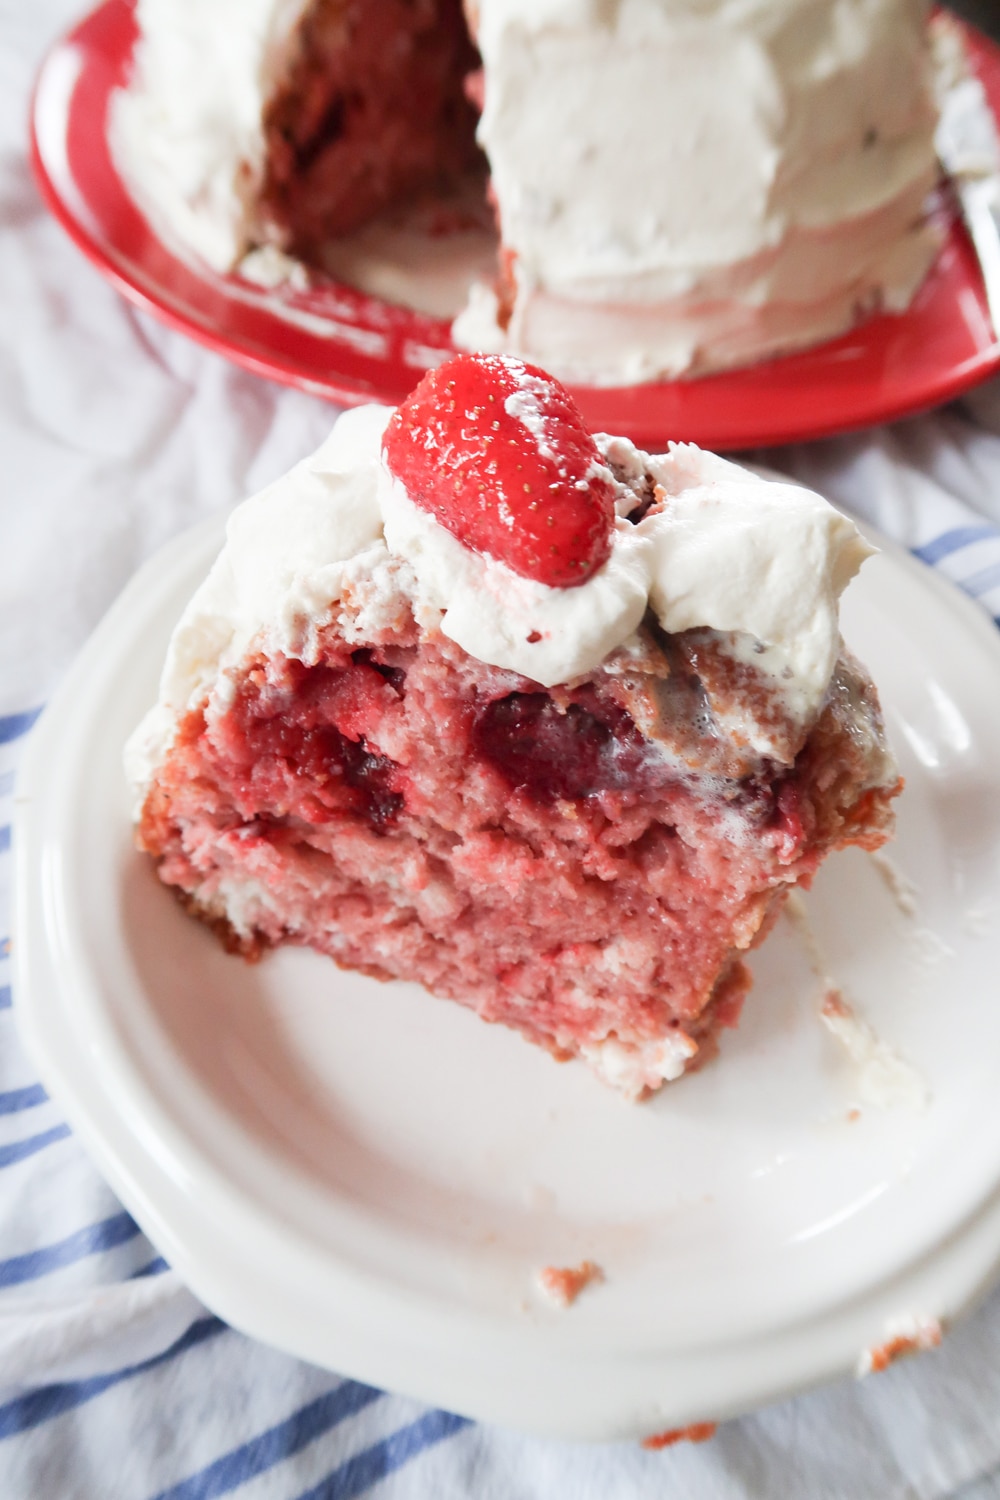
365	1469
15	726
18	1151
339	1442
969	556
276	1444
35	1263
955	540
49	1402
14	1100
155	1268
337	1421
982	581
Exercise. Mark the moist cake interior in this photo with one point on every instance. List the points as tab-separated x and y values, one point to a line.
416	814
372	112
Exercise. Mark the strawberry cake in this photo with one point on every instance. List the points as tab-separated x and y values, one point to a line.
678	187
545	722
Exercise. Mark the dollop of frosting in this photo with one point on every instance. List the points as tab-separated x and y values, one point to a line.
548	634
765	560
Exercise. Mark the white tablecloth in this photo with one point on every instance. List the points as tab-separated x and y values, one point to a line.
114	1381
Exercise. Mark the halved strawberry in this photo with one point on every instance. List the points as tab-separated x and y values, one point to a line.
496	451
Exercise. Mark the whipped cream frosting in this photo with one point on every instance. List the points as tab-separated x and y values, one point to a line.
683	185
187	130
761	562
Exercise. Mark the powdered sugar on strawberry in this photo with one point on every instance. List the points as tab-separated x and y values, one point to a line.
497	452
526	405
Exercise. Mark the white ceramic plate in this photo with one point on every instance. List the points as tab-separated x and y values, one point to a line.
371	1178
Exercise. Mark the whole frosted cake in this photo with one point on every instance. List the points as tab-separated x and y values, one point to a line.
680	185
549	724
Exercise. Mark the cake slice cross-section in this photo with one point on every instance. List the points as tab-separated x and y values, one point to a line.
547	723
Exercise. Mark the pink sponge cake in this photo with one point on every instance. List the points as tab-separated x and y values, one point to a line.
545	722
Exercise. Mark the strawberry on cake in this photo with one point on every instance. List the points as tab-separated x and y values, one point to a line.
545	722
679	187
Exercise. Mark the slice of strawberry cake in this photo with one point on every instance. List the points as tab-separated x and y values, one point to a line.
547	723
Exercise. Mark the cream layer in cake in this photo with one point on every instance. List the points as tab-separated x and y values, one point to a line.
681	185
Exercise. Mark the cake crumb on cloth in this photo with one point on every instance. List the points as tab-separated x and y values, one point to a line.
697	1432
910	1335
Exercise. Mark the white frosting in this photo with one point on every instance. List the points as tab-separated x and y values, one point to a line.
685	184
884	1080
496	615
187	131
765	559
727	550
688	185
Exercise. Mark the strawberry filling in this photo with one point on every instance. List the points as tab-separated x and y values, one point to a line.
566	753
294	742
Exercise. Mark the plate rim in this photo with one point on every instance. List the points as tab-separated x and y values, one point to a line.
949	382
815	1349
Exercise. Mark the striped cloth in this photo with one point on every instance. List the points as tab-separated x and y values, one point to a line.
115	1383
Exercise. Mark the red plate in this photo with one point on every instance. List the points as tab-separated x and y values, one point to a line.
363	349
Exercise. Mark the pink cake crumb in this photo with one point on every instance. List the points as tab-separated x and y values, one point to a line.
563	1284
697	1432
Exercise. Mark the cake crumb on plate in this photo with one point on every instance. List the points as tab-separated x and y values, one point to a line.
908	1335
563	1284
